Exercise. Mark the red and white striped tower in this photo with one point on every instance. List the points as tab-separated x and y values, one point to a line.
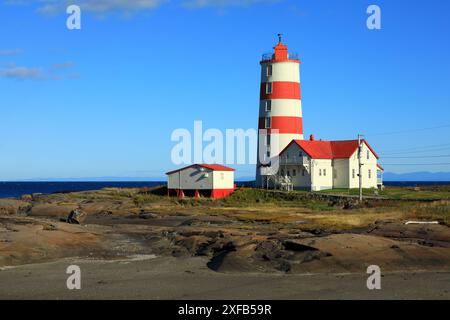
280	109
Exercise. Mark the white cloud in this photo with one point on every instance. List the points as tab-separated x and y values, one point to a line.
225	3
128	6
97	6
63	65
22	73
10	52
12	71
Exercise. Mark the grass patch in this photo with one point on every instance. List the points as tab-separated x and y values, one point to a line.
437	192
246	197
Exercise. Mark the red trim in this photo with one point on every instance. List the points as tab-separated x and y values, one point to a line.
280	54
221	193
292	125
281	90
213	167
214	193
380	167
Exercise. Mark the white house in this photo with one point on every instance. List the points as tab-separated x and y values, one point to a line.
320	165
208	180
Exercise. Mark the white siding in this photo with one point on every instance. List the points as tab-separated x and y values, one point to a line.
191	178
341	174
322	174
223	179
300	180
368	164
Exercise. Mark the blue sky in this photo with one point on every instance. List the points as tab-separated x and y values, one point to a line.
104	100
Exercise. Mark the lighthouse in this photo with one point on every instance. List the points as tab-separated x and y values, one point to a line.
280	107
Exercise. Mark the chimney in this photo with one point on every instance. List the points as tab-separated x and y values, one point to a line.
311	137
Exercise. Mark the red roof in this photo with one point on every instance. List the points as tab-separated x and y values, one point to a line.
380	167
214	167
318	149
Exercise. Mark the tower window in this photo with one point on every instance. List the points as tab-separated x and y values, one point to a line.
268	122
324	172
269	70
320	172
268	87
294	172
368	154
268	105
353	173
268	140
370	174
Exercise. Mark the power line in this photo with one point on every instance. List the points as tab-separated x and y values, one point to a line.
408	131
418	151
416	164
416	148
439	156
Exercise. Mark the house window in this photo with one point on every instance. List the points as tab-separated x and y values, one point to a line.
268	140
324	172
268	154
288	173
370	174
269	70
282	172
287	155
268	105
268	122
353	173
368	154
320	172
294	172
303	172
268	87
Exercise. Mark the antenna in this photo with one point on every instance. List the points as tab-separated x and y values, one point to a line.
279	37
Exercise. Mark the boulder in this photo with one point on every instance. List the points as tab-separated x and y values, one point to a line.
76	216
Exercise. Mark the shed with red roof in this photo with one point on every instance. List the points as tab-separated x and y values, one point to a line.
207	180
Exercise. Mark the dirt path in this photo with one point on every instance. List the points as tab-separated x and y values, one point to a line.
189	278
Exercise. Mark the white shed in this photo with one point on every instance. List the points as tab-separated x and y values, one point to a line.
209	180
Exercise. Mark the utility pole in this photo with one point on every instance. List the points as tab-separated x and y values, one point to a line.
360	167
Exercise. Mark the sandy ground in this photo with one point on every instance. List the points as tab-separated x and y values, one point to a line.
189	278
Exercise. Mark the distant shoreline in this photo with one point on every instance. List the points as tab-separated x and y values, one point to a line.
11	189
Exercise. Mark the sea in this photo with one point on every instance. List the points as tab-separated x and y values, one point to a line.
17	189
